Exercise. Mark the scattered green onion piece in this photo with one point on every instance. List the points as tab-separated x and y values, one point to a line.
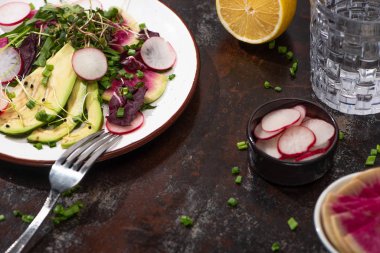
70	192
238	179
235	170
62	213
139	85
282	49
242	145
38	146
232	202
131	52
2	217
277	89
370	160
142	26
30	104
45	81
120	112
46	73
11	95
122	72
16	213
267	85
341	135
52	144
186	221
124	91
373	152
115	58
49	67
292	72
289	55
295	66
140	74
171	77
27	218
272	44
378	148
275	246
129	76
293	224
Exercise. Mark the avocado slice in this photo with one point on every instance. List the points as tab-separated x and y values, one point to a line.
75	107
50	99
94	121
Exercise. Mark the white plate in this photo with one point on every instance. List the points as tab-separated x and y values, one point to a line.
158	18
317	210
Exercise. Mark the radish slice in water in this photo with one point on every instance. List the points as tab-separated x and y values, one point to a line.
158	54
90	63
295	141
10	64
135	124
264	135
323	131
280	119
302	110
90	4
269	147
13	13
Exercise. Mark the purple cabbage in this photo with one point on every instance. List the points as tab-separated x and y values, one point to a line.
28	53
146	34
132	64
131	106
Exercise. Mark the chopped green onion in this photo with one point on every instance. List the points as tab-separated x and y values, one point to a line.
277	89
289	55
70	192
186	221
235	170
131	52
11	95
171	77
129	76
272	44
124	91
46	73
378	148
43	116
140	74
373	152
27	218
341	135
295	66
232	202
16	213
282	49
293	224
115	58
267	85
242	145
122	72
38	146
275	246
45	81
120	112
49	67
2	217
238	179
139	85
370	160
62	213
30	104
52	144
292	72
142	26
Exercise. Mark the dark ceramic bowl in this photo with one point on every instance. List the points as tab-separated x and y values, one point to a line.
284	172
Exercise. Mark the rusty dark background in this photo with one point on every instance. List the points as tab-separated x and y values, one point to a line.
132	203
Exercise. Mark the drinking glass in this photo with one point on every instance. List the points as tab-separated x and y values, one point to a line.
345	54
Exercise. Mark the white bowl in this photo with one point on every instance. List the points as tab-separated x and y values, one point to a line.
317	210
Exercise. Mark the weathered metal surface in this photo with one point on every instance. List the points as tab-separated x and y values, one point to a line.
132	203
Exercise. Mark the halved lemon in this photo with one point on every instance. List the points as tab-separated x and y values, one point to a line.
256	21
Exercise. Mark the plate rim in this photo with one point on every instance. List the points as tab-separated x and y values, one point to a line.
146	139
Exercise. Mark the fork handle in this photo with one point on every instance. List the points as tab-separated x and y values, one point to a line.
23	240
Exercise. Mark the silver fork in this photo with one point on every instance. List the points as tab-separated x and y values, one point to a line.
66	173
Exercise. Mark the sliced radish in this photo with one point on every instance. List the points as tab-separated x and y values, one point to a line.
13	13
90	63
323	131
3	101
269	147
279	119
10	64
135	124
306	119
310	155
158	54
264	135
323	147
295	140
302	110
90	4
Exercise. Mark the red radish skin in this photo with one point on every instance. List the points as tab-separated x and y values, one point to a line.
13	13
10	64
135	124
280	119
295	141
310	155
302	110
269	147
264	135
90	63
158	54
323	131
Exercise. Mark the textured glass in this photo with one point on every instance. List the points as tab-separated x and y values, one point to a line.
345	54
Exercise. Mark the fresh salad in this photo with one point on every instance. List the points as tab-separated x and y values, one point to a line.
61	64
